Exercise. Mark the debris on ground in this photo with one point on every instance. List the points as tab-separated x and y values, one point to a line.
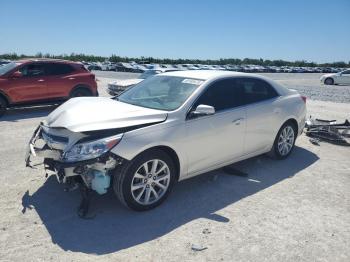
195	247
206	231
328	130
315	141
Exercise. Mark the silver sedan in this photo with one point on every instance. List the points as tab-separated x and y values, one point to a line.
167	128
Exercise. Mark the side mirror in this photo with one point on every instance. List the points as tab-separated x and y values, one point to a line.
16	74
202	110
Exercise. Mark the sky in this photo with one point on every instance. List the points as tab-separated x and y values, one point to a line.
312	30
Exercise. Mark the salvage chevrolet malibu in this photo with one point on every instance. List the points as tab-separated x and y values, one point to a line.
167	128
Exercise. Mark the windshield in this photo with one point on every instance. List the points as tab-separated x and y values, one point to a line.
7	67
161	92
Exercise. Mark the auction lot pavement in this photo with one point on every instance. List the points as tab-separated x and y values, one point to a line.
297	209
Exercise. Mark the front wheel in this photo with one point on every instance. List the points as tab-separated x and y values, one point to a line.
80	91
146	181
284	141
329	81
3	106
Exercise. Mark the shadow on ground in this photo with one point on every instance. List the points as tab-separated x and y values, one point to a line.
28	112
115	227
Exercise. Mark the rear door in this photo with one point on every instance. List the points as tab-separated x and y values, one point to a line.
215	139
263	113
60	79
31	86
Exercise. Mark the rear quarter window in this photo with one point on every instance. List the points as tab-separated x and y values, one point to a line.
256	90
59	69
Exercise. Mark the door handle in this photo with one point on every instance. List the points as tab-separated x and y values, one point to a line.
71	78
238	121
41	80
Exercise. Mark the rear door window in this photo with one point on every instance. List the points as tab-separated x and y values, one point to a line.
58	69
255	90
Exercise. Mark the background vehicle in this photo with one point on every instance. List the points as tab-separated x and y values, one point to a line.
31	81
94	67
337	78
116	87
167	128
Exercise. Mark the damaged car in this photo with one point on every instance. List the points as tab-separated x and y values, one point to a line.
167	128
116	87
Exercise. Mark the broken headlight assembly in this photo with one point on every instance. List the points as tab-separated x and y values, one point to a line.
90	150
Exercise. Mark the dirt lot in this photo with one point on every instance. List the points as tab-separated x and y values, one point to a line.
297	209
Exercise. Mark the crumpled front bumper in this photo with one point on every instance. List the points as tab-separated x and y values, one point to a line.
93	173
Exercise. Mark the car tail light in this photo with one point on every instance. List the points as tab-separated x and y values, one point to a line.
304	98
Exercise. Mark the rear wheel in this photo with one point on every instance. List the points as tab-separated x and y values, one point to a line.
146	181
81	91
3	106
284	141
329	81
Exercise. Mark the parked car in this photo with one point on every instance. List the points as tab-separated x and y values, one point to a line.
94	67
337	78
116	87
29	81
4	62
167	128
123	67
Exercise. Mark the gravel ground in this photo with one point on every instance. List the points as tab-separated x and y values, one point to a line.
307	84
291	210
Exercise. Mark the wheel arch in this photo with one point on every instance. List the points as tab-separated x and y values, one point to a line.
6	97
81	86
294	122
169	151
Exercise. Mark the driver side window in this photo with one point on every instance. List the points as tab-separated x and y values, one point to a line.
32	70
222	95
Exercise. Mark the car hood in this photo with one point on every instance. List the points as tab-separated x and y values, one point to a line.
98	113
126	82
328	75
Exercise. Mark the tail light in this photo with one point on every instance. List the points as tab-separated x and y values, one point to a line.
304	98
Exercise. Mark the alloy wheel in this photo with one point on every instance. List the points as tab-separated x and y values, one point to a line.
150	182
286	140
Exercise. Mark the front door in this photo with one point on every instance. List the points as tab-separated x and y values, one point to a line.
344	78
215	139
30	86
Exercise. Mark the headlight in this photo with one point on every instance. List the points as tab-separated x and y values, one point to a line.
90	150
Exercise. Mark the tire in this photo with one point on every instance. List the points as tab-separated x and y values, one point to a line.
284	141
145	183
329	81
80	91
3	106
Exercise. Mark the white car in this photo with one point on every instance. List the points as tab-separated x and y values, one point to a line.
167	128
337	78
116	87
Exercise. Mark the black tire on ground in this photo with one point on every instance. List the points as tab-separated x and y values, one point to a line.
275	152
329	81
3	106
123	178
81	91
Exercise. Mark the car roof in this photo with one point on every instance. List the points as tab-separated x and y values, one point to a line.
207	74
46	60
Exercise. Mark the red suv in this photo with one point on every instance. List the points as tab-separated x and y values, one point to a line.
31	81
